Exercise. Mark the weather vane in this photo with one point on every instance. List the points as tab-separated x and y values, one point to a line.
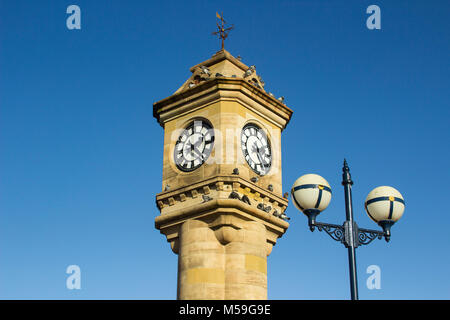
223	33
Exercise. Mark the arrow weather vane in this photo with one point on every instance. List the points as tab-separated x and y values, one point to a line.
223	33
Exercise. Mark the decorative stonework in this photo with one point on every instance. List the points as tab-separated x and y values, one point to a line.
222	211
220	188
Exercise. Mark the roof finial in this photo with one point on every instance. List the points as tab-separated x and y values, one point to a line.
346	177
223	33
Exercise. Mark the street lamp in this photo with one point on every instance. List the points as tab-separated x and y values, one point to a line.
311	194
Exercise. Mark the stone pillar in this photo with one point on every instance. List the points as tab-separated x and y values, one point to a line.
246	264
227	263
201	263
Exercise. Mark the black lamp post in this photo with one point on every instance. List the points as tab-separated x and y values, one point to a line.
385	205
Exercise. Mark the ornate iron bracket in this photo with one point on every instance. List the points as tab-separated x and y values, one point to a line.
335	231
348	236
366	236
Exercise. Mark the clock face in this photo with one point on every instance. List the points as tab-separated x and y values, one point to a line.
256	149
194	146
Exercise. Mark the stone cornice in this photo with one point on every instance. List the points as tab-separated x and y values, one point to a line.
217	181
198	210
219	201
216	89
214	212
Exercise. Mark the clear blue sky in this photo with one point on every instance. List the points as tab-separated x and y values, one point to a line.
81	154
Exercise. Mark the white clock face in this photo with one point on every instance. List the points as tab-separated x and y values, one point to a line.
194	146
256	149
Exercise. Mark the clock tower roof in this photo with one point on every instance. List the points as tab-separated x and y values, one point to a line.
222	64
222	71
221	56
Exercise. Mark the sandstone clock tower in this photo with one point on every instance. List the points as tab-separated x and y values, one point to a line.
221	205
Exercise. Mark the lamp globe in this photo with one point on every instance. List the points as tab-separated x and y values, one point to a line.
385	206
311	194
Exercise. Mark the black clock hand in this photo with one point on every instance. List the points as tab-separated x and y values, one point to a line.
198	152
196	145
261	155
199	142
192	149
255	149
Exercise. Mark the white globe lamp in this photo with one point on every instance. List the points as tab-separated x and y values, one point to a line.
311	194
385	206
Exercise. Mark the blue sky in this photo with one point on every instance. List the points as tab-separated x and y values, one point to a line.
81	154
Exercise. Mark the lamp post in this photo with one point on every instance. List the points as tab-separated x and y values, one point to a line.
311	194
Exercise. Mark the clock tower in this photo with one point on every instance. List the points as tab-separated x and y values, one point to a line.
221	204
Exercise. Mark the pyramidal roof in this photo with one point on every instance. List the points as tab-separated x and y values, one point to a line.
222	69
222	64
